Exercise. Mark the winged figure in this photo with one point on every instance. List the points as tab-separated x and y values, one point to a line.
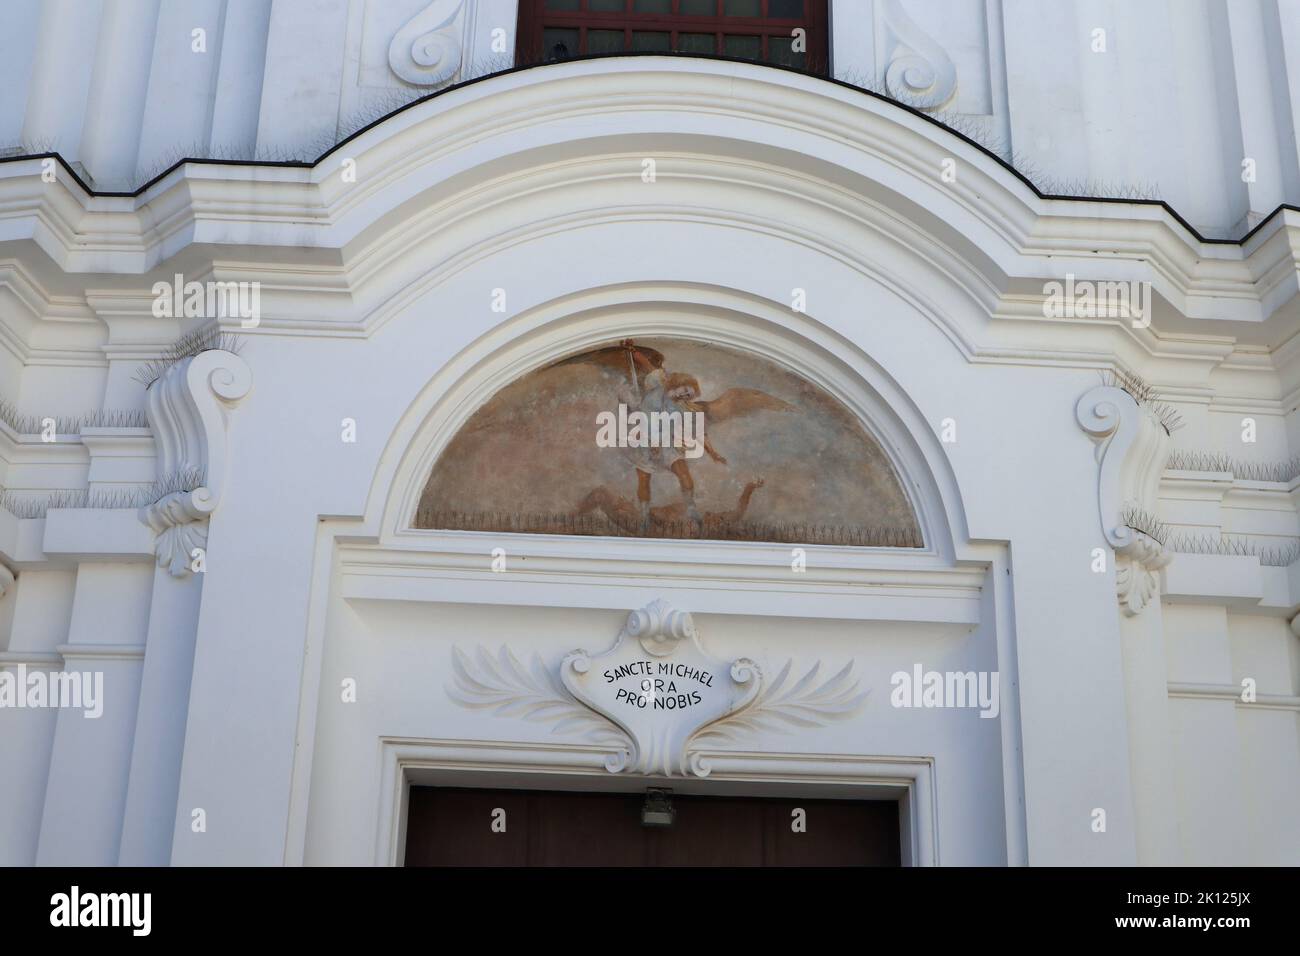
653	389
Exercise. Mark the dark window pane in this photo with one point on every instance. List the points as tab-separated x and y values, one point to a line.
696	43
604	41
779	50
748	47
755	30
642	40
559	44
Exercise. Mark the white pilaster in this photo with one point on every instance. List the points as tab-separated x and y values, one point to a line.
160	721
65	52
1151	759
120	81
182	84
42	609
304	66
81	824
1267	135
239	77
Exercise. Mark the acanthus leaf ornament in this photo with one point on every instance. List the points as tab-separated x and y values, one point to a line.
805	703
427	50
654	696
179	522
1137	565
510	689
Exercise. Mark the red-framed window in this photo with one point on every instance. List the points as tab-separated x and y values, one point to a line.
761	30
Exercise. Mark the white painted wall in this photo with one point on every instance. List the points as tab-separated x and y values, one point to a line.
1166	101
925	299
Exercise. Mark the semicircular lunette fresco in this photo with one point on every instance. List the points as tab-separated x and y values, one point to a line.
669	438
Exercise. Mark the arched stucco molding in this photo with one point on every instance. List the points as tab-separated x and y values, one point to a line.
949	286
986	226
639	107
740	321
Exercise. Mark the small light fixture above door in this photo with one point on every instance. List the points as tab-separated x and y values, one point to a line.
657	811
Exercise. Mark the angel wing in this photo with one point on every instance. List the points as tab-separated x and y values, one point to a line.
735	402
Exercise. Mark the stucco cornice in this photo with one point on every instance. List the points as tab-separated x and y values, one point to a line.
317	233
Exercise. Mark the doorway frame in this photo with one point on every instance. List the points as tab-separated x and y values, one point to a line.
408	762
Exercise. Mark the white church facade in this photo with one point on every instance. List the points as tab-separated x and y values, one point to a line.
606	431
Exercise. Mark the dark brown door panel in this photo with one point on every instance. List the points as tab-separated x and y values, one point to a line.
454	827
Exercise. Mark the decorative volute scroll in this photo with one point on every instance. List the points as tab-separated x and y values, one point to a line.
918	71
654	696
187	408
1132	448
427	50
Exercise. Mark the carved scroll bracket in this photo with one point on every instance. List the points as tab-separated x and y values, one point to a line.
1132	447
187	409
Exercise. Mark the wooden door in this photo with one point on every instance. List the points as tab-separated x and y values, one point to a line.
454	827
